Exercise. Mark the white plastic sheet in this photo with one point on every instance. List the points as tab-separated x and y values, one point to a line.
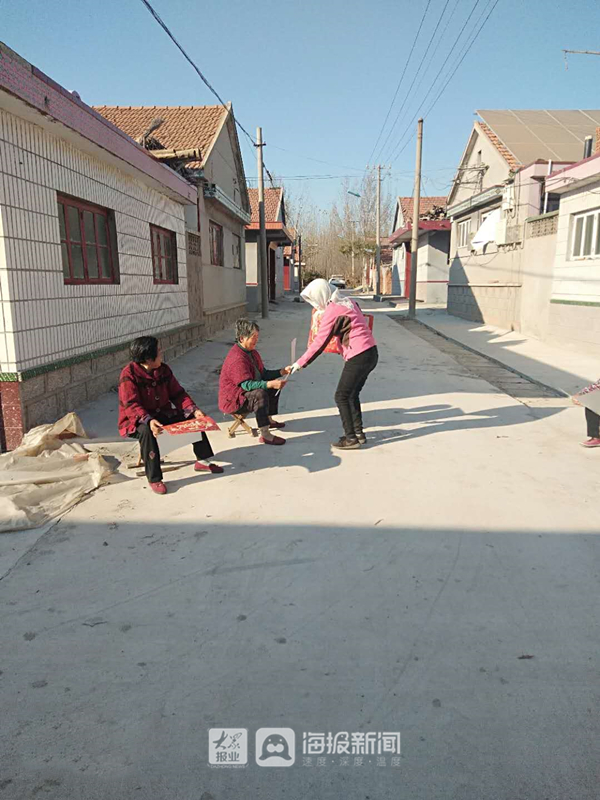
46	475
487	231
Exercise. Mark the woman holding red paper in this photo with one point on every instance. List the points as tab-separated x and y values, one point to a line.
342	317
150	397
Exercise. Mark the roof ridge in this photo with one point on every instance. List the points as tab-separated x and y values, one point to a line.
171	108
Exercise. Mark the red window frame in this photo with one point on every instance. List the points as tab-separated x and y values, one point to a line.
81	206
160	259
217	258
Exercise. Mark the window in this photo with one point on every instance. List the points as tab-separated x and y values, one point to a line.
586	235
216	244
88	254
464	233
164	255
237	252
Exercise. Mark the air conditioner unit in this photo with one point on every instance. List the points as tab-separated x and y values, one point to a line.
501	232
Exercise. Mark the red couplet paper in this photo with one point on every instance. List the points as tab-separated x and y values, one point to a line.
193	426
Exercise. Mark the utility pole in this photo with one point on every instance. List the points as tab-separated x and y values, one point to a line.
352	246
299	251
262	237
378	235
414	245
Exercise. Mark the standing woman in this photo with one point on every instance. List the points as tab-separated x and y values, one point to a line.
342	317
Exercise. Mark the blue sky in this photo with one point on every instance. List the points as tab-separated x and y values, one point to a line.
319	76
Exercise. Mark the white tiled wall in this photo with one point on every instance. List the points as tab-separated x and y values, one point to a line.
42	319
575	279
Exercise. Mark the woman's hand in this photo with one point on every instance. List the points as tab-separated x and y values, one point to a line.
156	427
276	384
199	414
285	371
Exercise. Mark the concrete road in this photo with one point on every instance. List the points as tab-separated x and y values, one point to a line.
442	582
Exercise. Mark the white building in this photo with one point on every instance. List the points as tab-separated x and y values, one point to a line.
92	250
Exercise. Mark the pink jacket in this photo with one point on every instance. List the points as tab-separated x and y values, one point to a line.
349	324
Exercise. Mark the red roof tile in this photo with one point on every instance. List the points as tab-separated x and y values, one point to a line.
426	205
510	159
183	127
272	203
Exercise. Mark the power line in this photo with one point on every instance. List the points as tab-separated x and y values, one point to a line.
449	55
195	67
387	116
464	55
439	22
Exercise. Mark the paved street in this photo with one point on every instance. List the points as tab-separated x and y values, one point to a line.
441	582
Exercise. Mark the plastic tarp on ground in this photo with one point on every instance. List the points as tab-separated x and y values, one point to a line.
47	474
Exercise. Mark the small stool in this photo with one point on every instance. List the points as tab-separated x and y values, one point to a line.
240	421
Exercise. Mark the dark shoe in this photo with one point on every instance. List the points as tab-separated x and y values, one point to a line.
273	440
276	424
591	443
346	444
158	488
214	468
361	437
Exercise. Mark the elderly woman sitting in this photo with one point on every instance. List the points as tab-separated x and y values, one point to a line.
246	386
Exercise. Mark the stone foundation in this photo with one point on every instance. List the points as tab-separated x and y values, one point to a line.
494	305
46	393
215	321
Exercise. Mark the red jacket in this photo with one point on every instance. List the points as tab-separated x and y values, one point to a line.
144	394
239	366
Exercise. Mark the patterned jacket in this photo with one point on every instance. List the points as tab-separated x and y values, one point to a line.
145	394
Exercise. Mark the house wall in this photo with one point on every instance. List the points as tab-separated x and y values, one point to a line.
575	300
48	319
485	287
470	182
223	287
61	345
522	304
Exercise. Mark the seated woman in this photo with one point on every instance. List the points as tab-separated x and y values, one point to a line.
151	397
246	386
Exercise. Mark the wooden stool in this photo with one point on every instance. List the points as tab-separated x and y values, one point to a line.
240	421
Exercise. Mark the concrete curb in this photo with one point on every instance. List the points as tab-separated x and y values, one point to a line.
473	350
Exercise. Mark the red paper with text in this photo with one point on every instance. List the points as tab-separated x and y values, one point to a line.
193	426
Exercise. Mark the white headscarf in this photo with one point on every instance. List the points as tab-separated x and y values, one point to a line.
319	294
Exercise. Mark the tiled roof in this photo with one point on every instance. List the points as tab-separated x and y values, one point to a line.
598	140
426	205
272	201
500	147
183	127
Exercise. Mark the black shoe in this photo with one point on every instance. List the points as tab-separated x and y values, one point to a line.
361	437
346	444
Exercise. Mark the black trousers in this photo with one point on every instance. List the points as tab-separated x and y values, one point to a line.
593	424
150	450
263	403
347	396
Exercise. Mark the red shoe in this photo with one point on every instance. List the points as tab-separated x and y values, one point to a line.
214	468
273	440
591	443
276	424
158	488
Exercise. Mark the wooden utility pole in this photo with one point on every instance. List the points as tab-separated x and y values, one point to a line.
262	237
414	245
299	251
376	286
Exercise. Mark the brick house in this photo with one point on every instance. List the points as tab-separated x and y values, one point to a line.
278	237
205	140
502	273
434	243
92	250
